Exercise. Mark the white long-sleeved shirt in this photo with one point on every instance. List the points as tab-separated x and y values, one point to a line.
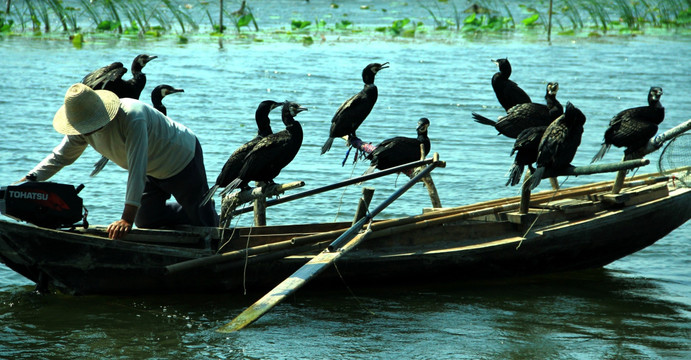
144	142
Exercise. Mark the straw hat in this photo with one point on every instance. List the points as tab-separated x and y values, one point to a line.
85	110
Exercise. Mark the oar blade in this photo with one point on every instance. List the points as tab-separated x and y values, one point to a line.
288	286
344	243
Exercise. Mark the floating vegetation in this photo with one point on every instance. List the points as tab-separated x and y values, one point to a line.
186	18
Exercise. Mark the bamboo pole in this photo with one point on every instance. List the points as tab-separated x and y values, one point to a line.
363	203
657	141
260	211
343	183
619	180
429	183
525	198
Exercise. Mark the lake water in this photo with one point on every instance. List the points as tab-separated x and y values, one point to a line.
636	308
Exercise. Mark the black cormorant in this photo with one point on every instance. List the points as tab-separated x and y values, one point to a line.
157	95
508	93
110	78
231	169
632	128
353	111
525	147
523	116
559	143
400	150
272	153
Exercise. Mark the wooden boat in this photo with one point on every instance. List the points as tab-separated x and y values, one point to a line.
570	229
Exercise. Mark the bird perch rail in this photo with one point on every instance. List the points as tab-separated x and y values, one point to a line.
576	171
233	200
228	209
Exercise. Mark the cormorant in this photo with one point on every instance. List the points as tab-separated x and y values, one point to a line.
523	116
632	128
231	169
110	78
272	153
508	93
559	143
525	147
159	93
400	150
353	111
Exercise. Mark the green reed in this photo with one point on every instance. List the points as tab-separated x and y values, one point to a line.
158	17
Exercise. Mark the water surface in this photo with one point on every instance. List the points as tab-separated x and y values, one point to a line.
635	308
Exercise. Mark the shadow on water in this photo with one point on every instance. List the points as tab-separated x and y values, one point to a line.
597	311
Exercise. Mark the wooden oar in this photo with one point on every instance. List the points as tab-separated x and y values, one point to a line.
319	263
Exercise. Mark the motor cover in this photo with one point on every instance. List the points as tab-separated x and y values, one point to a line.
46	204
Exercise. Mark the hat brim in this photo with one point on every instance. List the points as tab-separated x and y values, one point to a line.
98	119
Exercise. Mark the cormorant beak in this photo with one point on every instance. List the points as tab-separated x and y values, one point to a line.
146	61
300	109
554	88
166	92
382	66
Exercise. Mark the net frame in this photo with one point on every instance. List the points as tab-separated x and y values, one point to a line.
675	160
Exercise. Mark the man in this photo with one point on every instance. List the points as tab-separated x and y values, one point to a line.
163	158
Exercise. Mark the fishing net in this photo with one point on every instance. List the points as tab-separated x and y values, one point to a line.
675	160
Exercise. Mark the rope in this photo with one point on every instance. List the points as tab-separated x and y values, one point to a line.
340	200
352	293
244	268
540	213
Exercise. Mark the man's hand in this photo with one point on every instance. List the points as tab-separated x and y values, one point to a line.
119	229
122	227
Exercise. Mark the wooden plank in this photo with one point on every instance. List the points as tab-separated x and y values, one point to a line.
636	195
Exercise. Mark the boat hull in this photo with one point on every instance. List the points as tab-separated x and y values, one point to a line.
483	247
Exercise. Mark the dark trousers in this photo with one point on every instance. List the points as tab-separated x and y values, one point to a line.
188	187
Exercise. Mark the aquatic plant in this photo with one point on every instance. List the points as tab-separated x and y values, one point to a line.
300	25
161	17
343	25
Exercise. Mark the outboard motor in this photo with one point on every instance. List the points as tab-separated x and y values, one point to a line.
46	204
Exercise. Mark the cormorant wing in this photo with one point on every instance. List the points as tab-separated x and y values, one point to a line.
351	114
521	117
551	143
231	169
396	151
98	79
267	150
529	138
514	95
